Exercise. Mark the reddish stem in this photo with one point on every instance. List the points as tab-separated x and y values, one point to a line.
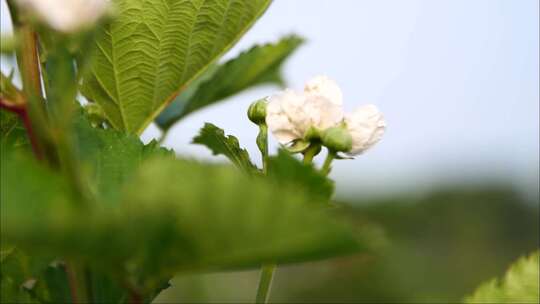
21	111
72	282
134	297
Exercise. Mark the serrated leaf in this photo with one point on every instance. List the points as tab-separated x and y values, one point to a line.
259	65
290	172
154	49
519	285
215	139
110	157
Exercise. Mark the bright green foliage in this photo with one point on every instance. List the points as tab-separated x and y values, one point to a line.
290	172
154	49
224	219
174	215
259	65
519	285
215	139
110	157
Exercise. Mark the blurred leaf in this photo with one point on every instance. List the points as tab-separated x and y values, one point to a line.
290	172
519	285
8	44
31	278
9	91
215	139
12	131
175	215
154	49
13	273
226	220
259	65
105	290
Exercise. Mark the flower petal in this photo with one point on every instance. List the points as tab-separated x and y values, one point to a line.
325	87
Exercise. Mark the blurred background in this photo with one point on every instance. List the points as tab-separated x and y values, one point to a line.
454	184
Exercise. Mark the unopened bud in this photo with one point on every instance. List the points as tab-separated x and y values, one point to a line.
257	112
337	139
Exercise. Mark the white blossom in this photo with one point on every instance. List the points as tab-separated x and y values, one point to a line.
366	126
289	115
66	15
326	87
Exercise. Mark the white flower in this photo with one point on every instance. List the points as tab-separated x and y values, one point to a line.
366	126
289	115
326	87
67	15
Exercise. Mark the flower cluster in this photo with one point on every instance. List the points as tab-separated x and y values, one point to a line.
66	15
316	115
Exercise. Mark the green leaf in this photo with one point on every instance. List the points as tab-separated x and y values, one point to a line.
110	157
154	49
13	273
224	219
519	285
12	131
215	139
174	215
31	278
257	66
290	172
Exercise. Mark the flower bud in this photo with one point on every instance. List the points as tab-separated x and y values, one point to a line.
337	139
257	112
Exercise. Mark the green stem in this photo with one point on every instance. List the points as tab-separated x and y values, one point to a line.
77	282
311	152
265	282
267	271
327	162
262	143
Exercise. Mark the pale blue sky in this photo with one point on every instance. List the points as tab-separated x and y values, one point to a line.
458	82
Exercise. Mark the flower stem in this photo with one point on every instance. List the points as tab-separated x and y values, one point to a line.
262	143
265	282
267	271
310	153
327	162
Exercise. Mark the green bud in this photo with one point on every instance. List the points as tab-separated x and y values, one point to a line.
337	139
312	134
257	112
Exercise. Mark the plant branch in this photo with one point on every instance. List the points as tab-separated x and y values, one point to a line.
262	143
21	111
72	282
265	283
327	162
311	152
